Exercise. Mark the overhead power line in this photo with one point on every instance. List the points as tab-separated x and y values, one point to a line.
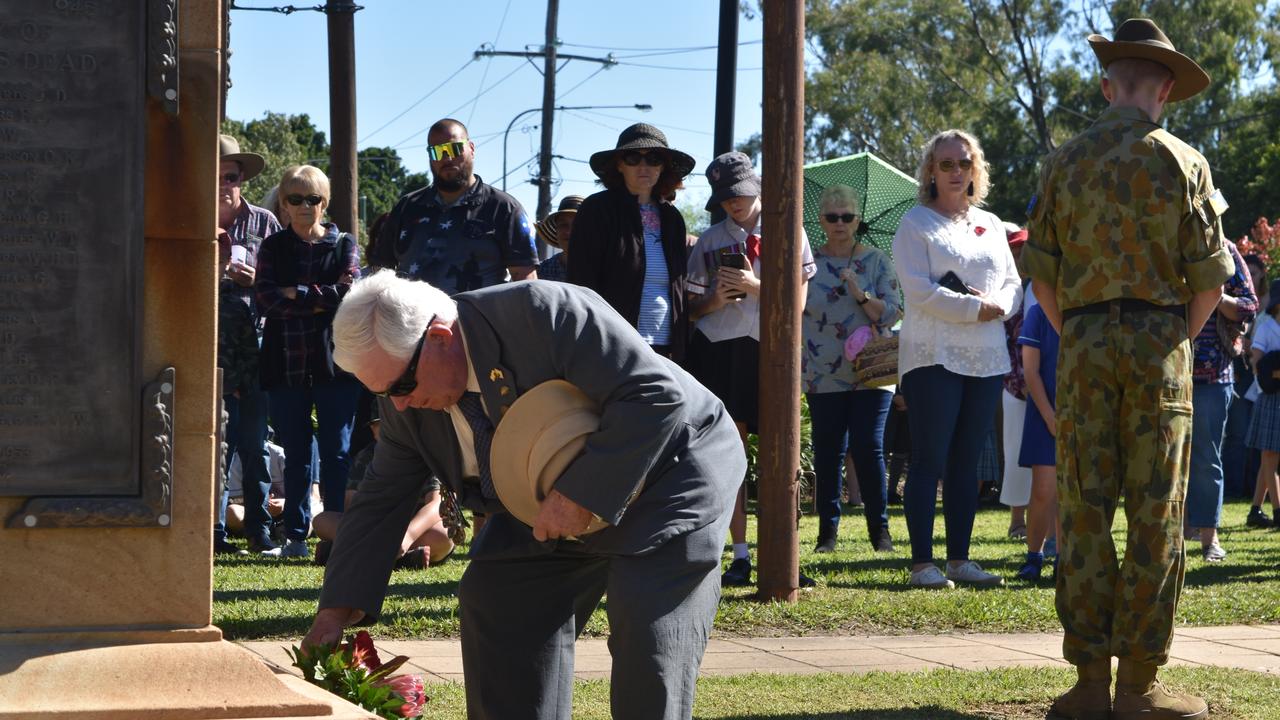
454	111
418	102
659	50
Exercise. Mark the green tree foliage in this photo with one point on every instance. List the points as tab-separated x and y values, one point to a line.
273	137
286	140
887	74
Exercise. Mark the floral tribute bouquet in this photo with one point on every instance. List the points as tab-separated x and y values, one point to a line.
352	671
1263	240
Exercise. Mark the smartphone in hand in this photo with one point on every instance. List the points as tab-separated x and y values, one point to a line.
952	282
733	260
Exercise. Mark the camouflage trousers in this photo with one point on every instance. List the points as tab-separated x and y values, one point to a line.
1124	431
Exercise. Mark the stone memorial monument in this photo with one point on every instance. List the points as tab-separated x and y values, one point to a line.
109	114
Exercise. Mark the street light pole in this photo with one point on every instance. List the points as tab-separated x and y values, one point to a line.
642	107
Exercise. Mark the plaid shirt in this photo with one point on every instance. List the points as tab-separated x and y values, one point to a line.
1212	364
250	227
239	331
297	343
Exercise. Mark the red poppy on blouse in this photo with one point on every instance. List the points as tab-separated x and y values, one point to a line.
979	230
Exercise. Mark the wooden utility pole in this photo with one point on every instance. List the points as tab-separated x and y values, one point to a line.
780	299
726	85
548	110
343	176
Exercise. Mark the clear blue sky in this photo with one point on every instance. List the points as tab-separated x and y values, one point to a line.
406	48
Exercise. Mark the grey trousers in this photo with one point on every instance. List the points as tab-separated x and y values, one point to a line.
520	618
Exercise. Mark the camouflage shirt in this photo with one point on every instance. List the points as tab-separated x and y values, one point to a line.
1126	210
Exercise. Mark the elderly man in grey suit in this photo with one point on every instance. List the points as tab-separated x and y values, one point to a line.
662	471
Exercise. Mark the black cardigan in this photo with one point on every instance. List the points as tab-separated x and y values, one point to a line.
608	257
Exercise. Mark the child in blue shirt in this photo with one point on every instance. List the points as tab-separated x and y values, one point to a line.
1039	343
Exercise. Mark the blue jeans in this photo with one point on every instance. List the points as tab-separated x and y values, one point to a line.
858	415
335	405
950	417
247	437
1209	403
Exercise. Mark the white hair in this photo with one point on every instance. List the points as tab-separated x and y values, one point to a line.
840	196
388	312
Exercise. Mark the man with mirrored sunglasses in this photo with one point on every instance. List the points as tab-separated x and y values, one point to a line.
459	233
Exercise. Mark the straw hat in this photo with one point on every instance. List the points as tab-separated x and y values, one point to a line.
547	225
1143	39
540	435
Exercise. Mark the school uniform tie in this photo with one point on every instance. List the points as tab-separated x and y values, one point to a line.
482	431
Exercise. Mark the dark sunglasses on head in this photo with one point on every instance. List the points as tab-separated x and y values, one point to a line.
230	178
408	380
652	159
310	200
949	165
846	218
446	150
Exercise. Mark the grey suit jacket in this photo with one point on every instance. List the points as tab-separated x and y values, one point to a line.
663	439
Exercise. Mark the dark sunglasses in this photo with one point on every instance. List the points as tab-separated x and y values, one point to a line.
446	150
408	380
949	165
310	200
230	178
652	159
846	218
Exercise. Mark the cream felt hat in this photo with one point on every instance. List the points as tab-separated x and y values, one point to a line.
540	435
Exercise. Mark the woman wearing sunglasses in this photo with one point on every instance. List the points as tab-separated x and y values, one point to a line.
855	287
959	282
303	273
629	241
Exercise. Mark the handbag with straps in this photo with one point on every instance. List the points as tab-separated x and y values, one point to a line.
876	365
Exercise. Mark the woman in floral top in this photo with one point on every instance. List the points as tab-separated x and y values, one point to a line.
854	286
1213	377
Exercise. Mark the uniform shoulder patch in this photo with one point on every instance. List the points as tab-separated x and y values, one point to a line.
1218	202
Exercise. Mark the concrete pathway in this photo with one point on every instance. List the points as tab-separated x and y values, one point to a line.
1249	647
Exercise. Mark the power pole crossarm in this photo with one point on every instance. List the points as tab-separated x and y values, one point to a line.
607	60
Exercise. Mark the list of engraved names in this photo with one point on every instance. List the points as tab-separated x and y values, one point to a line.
72	126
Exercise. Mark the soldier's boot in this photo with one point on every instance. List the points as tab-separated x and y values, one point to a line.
1140	696
1089	698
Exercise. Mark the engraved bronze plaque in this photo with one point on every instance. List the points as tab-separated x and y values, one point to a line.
72	133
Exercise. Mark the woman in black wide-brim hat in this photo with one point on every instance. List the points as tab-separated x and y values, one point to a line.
629	241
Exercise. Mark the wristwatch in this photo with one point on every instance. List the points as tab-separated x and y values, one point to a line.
866	298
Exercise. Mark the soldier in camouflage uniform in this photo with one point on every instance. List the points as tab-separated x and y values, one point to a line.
1127	258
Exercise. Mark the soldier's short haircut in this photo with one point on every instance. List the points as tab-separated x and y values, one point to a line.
445	124
1132	74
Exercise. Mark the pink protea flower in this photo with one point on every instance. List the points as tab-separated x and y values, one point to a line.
409	687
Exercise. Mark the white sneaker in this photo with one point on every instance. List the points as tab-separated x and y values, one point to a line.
295	548
972	573
930	578
272	553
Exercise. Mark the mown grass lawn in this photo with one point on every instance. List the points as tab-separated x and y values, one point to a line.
1006	693
859	591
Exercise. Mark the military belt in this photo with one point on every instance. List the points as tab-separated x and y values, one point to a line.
1126	306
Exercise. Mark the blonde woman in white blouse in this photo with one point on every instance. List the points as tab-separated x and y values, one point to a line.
959	283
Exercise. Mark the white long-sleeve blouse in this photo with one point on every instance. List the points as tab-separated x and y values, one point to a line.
940	326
